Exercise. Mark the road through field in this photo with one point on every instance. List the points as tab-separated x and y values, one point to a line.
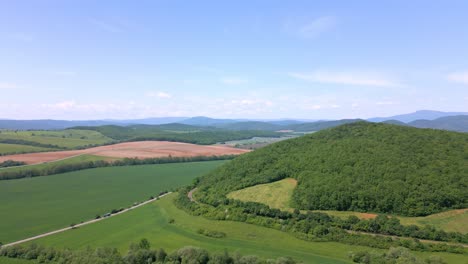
84	223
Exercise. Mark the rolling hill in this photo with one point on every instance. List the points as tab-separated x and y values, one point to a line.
357	167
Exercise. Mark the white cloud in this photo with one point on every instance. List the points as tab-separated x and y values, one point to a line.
234	81
64	105
6	85
386	103
460	77
162	95
317	26
346	78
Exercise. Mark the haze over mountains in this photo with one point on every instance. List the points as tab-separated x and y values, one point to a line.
455	121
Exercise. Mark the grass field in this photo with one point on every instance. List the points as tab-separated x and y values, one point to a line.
278	195
152	222
16	148
69	138
35	205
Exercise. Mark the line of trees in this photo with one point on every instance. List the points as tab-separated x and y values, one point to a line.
62	168
139	253
11	163
317	226
392	256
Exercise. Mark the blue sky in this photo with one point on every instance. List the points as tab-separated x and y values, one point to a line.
232	59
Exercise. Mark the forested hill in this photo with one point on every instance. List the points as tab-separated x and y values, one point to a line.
360	167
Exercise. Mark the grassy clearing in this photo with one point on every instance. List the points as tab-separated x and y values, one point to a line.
36	205
278	195
453	220
16	148
152	222
69	138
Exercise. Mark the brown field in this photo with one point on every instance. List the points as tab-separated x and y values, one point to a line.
141	149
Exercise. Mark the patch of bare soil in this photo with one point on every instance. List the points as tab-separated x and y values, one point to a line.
141	149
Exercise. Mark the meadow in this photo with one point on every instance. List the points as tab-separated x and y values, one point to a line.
168	227
278	195
66	139
32	206
17	148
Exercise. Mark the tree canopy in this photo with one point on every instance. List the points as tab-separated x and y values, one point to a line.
359	167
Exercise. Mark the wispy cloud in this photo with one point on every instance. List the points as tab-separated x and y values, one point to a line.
6	85
311	28
107	26
234	81
459	77
159	94
386	103
347	78
318	26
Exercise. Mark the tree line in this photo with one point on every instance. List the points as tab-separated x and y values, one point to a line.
393	256
11	163
68	167
139	253
177	133
316	226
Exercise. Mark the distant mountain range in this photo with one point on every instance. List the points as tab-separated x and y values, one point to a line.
418	115
456	121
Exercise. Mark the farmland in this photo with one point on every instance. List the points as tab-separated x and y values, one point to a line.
146	149
37	205
66	139
17	148
152	222
49	165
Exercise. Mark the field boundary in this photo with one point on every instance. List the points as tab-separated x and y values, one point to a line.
84	223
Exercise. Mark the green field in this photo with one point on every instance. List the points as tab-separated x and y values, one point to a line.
152	222
453	220
16	148
33	206
278	195
69	138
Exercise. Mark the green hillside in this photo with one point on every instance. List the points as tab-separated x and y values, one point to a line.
177	132
46	140
357	167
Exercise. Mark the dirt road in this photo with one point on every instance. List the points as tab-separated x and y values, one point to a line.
84	223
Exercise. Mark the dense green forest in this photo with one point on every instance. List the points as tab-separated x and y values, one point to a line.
177	132
362	166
